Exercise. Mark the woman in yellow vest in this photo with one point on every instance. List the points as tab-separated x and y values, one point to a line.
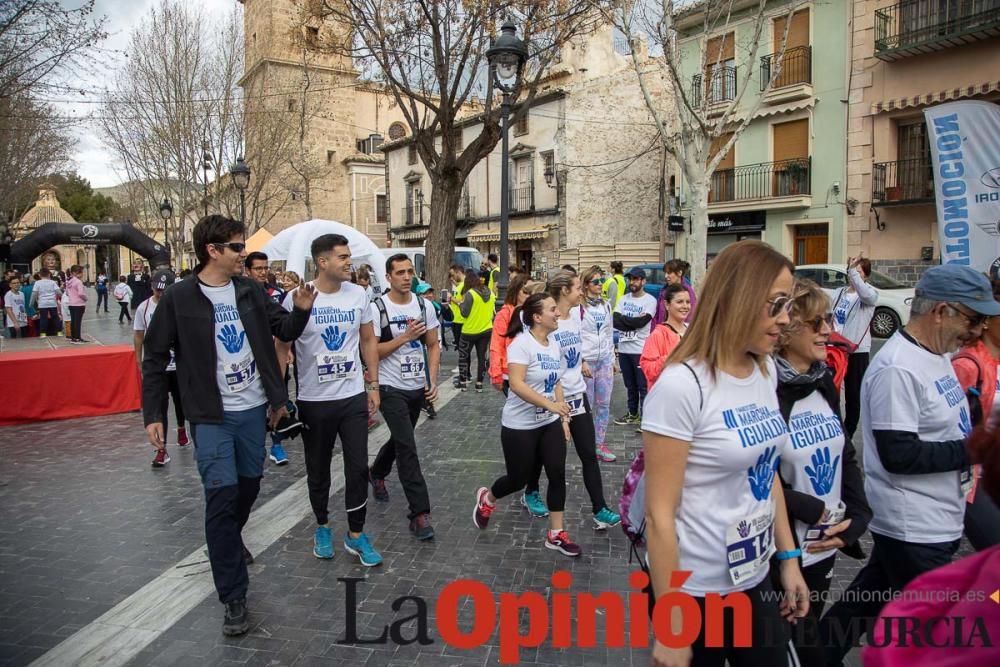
477	308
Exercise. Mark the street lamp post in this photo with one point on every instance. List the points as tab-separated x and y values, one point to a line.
206	164
166	212
241	179
506	58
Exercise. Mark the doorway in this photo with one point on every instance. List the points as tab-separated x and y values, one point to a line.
812	244
524	256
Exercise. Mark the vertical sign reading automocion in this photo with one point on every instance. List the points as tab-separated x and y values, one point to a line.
965	149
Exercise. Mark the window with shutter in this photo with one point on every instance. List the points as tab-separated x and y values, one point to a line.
723	182
796	65
791	157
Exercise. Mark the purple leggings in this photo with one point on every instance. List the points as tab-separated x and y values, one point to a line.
599	394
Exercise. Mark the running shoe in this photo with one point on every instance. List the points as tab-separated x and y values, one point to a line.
362	548
534	504
606	519
479	387
627	418
182	437
161	459
481	514
322	543
429	409
237	620
561	543
604	454
378	488
421	528
459	384
288	427
278	454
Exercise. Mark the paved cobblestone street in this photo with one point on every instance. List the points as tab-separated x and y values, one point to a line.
86	523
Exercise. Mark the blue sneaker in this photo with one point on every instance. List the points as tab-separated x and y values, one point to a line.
535	505
278	454
322	542
362	548
605	519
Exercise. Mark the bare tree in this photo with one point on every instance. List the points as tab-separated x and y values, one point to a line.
175	98
685	127
431	57
43	44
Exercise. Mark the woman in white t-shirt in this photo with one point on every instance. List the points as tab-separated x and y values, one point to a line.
824	490
713	437
535	419
564	287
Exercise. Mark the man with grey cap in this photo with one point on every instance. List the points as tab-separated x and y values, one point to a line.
161	280
915	419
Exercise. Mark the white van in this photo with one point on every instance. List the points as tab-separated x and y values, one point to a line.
470	258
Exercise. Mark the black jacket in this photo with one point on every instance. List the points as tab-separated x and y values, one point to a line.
142	288
185	321
808	508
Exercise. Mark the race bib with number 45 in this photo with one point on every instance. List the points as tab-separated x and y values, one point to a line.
331	366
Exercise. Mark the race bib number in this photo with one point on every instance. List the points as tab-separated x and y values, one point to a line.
630	335
576	406
331	366
541	414
749	544
966	478
412	366
818	532
241	374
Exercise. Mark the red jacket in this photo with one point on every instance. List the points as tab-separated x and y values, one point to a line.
499	343
838	349
657	348
975	363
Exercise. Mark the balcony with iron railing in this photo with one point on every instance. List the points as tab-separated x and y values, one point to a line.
412	215
793	81
911	27
774	185
522	199
720	89
908	181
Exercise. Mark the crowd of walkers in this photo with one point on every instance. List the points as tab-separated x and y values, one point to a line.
749	477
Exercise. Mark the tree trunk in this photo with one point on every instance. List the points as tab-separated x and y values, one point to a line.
440	245
698	238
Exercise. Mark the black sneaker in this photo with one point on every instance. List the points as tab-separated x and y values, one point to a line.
237	620
420	526
429	409
378	489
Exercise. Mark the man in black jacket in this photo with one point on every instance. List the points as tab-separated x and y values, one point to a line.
140	284
220	326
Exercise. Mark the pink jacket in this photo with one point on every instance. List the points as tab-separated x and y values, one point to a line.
75	292
657	348
960	590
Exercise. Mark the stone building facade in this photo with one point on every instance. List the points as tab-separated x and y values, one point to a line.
313	125
906	56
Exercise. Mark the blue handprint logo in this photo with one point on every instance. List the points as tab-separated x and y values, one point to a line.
761	476
231	339
572	358
743	529
550	383
822	472
964	422
414	344
334	338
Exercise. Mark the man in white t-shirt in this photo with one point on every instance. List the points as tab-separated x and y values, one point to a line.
162	279
633	319
915	419
45	295
333	398
409	362
219	326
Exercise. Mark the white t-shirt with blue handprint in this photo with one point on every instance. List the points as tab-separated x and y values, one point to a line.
328	353
570	339
725	519
235	367
812	462
405	368
544	364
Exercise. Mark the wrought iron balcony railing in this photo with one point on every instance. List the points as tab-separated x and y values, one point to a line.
522	198
902	182
918	26
764	180
720	88
796	67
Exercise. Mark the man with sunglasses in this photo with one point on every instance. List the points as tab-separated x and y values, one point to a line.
220	327
915	420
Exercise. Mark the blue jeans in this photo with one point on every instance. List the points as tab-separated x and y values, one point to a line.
635	381
230	460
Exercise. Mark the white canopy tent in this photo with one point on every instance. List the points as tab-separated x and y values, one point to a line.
293	245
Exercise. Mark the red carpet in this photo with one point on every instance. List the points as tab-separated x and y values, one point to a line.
84	381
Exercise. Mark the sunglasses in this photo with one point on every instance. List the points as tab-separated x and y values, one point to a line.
235	246
817	322
778	304
597	281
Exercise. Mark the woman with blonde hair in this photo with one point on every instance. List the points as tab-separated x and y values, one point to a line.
712	439
824	490
599	353
289	281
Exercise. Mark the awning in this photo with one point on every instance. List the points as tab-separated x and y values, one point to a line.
513	236
936	97
788	107
409	235
258	240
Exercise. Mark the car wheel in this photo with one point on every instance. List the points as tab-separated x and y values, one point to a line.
884	323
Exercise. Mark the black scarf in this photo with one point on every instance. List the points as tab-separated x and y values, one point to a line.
794	386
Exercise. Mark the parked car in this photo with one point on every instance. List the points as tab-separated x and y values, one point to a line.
893	308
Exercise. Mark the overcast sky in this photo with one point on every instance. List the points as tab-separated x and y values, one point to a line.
92	160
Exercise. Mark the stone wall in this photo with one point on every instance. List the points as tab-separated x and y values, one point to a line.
906	271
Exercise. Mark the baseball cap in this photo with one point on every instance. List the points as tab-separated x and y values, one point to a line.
636	272
163	279
959	284
422	288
